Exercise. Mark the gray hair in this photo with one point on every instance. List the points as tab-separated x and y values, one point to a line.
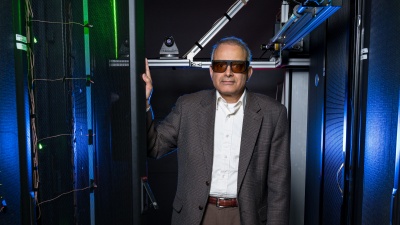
234	41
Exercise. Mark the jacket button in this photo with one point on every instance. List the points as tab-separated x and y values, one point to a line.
207	183
200	207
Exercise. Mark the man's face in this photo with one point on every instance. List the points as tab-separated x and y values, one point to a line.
230	84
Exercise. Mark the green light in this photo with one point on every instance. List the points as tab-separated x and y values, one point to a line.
40	146
86	36
34	40
21	46
115	28
21	38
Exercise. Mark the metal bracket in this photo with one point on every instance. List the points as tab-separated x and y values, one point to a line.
21	43
147	188
364	54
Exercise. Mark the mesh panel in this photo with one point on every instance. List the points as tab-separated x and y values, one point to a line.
381	112
60	113
336	87
9	165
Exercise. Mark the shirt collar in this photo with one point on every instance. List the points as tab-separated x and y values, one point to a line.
241	100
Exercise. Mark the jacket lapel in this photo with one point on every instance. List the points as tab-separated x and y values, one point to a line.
206	122
252	120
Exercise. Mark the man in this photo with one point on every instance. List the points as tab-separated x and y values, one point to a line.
233	148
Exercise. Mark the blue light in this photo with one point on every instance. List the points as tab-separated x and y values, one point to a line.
397	160
396	168
307	23
9	155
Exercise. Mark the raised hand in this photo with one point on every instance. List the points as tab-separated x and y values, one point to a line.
149	84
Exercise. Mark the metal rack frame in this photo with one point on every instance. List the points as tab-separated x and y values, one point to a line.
304	19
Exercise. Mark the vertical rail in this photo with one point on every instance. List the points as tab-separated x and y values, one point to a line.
353	167
89	109
20	81
138	105
114	5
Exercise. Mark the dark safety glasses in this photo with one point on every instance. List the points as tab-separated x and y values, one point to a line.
237	66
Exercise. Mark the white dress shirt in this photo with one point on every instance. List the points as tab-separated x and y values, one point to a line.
227	139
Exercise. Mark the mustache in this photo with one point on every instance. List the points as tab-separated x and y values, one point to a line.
227	80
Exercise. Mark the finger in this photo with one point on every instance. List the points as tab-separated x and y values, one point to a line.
146	78
147	68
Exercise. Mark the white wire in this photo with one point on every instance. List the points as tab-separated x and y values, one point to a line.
64	23
31	66
65	193
58	135
58	79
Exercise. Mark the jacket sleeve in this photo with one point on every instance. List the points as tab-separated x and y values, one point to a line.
162	138
279	173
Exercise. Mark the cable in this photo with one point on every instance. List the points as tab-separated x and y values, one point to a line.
31	60
265	51
337	178
59	135
297	2
64	23
60	79
65	193
35	142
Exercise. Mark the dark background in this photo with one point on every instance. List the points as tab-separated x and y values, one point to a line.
359	130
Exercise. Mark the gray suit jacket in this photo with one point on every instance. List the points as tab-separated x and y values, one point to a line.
264	163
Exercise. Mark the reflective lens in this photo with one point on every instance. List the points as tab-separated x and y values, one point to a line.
219	66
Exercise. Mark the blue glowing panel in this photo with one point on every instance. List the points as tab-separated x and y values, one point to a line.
381	113
393	212
9	164
335	122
